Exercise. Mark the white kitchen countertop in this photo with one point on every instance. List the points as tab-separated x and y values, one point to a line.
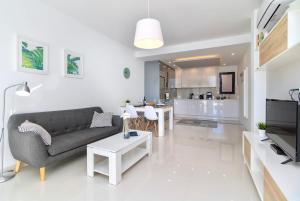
206	99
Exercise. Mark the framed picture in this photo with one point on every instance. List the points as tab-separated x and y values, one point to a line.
227	83
73	64
32	56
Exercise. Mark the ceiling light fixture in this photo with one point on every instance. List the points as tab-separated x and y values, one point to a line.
233	54
148	34
213	56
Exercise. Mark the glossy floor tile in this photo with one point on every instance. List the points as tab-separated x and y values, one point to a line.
189	164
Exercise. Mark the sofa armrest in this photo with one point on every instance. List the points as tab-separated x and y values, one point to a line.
28	147
117	121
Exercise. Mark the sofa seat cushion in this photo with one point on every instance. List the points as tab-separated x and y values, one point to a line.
73	140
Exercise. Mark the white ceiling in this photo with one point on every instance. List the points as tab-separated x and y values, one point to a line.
182	20
225	53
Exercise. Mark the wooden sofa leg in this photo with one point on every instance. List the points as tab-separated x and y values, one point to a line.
42	173
18	165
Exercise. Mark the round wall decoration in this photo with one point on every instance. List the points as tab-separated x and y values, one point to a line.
126	73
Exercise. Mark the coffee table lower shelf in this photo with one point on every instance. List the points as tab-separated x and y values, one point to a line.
128	160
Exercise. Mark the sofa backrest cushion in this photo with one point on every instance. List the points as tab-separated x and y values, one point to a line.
57	122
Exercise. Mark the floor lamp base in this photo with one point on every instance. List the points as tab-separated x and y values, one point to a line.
7	176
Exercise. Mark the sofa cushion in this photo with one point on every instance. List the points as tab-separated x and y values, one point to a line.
69	141
27	127
101	120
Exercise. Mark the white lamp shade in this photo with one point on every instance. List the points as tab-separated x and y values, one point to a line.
148	34
23	90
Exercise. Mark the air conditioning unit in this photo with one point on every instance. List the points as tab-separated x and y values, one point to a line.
270	12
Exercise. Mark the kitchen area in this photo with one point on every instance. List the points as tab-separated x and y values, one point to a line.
197	88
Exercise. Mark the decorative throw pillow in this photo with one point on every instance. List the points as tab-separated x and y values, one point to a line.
101	120
28	126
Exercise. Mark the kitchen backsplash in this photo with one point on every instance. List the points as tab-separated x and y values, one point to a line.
184	93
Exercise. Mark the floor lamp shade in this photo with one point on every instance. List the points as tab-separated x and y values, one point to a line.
148	34
23	90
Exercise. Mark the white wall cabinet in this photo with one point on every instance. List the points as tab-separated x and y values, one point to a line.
178	74
210	109
199	77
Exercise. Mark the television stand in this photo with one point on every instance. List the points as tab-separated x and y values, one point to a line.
287	161
270	177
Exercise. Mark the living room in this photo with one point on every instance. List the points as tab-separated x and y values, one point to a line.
86	118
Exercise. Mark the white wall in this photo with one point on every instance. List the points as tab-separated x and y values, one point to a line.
281	80
103	84
245	63
258	81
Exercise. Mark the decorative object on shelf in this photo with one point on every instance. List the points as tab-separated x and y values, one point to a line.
148	34
22	90
260	38
73	66
126	73
126	118
262	129
32	56
127	102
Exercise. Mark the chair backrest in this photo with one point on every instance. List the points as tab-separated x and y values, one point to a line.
132	111
150	113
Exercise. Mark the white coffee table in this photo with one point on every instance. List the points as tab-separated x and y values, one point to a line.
121	154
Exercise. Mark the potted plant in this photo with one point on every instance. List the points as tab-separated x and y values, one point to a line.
262	129
127	102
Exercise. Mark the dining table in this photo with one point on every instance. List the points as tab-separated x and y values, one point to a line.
160	110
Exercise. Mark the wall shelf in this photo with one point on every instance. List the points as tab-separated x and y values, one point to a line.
287	57
282	45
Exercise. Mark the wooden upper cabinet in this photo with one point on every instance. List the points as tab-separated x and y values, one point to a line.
271	190
282	44
275	43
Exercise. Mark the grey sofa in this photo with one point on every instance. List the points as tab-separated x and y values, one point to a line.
70	131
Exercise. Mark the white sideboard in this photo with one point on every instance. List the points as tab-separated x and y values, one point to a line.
273	181
208	109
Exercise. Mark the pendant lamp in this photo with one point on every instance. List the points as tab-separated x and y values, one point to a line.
148	34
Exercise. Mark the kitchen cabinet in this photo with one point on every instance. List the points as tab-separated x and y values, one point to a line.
180	106
210	109
199	77
178	74
171	78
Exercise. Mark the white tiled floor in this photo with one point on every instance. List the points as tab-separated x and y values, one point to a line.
190	164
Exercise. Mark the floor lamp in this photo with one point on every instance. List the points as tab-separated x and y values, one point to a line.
22	90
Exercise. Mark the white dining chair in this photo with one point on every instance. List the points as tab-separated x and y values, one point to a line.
151	119
136	120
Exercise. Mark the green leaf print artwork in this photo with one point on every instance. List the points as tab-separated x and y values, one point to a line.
32	58
73	64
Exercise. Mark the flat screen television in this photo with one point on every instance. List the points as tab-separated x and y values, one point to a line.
283	126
